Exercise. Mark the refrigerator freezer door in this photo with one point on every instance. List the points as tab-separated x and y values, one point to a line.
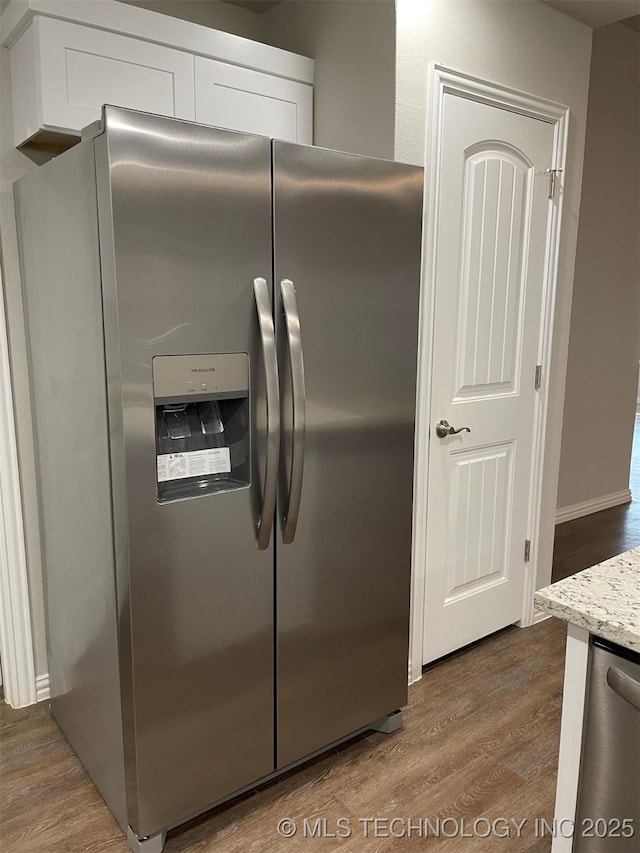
347	234
185	222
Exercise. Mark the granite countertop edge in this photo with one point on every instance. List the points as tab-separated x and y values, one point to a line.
604	599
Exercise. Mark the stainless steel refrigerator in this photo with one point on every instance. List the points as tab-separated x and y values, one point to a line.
223	344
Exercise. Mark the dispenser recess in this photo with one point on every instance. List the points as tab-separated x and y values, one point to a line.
202	424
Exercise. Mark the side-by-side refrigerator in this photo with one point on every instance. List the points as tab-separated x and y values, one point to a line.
223	344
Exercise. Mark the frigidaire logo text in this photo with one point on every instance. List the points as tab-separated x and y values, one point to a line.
203	369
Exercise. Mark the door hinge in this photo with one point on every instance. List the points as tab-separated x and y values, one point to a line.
527	550
553	181
538	381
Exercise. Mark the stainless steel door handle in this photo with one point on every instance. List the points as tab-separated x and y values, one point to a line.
444	428
270	358
292	318
625	686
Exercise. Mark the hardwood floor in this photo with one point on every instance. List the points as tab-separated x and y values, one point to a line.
585	541
480	740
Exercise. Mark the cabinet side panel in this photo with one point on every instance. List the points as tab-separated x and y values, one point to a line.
58	235
25	85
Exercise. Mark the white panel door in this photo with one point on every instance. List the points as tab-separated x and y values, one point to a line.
83	68
490	266
251	101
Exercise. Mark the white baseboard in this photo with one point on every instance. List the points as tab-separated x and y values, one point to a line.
540	616
568	513
43	690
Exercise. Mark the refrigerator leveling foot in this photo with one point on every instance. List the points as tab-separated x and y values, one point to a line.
149	844
391	723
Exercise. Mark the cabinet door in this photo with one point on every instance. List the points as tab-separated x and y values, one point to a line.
251	101
83	68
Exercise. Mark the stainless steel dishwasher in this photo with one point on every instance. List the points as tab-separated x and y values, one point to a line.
609	784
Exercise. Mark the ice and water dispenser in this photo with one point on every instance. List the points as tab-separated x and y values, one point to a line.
202	424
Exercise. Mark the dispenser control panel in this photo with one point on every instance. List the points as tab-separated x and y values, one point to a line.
202	424
221	375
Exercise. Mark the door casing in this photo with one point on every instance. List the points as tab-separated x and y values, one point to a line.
445	81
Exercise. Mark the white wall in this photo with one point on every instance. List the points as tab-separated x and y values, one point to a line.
353	45
529	46
602	374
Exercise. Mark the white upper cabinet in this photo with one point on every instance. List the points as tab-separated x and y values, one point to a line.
69	58
248	100
81	68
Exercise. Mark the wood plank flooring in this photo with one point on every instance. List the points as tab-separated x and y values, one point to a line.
585	541
480	740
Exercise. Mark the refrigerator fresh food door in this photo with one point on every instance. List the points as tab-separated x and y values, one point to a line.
347	250
185	228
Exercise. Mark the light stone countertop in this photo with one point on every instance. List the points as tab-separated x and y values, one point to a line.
604	599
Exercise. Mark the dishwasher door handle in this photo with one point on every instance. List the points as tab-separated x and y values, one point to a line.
625	686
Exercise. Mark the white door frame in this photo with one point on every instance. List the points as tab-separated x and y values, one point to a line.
16	640
446	81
